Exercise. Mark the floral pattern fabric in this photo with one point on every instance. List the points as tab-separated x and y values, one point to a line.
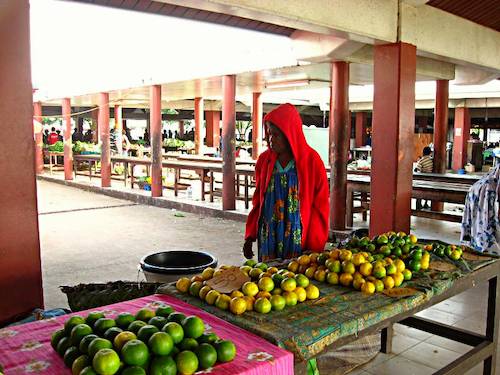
480	222
280	230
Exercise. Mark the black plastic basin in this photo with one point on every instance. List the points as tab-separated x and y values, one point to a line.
176	263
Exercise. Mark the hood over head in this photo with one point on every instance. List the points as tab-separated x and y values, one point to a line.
288	120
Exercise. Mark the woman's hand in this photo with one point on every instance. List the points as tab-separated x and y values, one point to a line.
247	249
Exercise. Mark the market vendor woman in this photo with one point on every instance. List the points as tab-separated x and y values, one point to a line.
290	203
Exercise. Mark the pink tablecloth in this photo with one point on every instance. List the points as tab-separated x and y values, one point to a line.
26	348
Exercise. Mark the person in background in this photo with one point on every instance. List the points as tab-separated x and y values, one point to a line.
59	136
480	221
53	137
77	136
291	201
164	135
88	136
146	136
46	136
424	165
125	143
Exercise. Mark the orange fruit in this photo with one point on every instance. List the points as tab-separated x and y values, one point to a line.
196	278
346	279
391	269
278	302
398	279
183	284
332	278
187	362
238	305
345	255
255	273
263	294
400	265
312	291
250	289
161	343
379	285
379	272
207	273
358	283
290	298
288	284
236	293
320	275
301	294
204	291
314	257
304	259
266	284
348	267
368	287
249	301
223	301
309	272
211	297
293	266
106	362
175	331
272	270
195	287
358	259
302	280
388	282
262	305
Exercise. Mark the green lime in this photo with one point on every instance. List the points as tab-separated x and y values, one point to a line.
187	362
415	265
416	254
98	344
144	314
70	355
158	321
93	317
250	262
208	338
85	342
111	333
88	371
397	251
103	324
207	355
188	344
62	345
136	325
175	351
79	364
135	353
161	343
56	337
79	332
106	362
134	370
72	322
164	365
146	332
123	320
164	310
193	327
263	266
176	317
175	331
226	351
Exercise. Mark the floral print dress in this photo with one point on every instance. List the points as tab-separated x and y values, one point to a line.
280	229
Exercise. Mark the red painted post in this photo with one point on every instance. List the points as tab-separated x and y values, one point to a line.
339	123
198	124
460	138
181	128
37	130
119	127
257	117
213	128
228	142
393	128
361	118
94	114
68	146
440	132
155	135
20	266
103	125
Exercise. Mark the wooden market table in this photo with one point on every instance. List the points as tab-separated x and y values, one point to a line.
451	192
342	315
212	159
53	157
26	348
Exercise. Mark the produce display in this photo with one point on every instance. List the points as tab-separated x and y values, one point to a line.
56	147
372	265
150	342
86	148
268	288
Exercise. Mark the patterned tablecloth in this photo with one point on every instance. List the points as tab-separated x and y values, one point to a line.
26	348
309	327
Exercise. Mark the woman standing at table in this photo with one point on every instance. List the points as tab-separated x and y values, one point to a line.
291	200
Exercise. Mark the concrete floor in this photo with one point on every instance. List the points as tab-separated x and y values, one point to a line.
88	237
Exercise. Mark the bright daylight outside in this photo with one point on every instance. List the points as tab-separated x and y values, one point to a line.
247	187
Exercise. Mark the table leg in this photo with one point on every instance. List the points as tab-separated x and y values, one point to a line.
348	208
237	185
386	340
176	181
364	199
203	174
132	175
211	186
50	163
246	192
492	324
90	169
125	173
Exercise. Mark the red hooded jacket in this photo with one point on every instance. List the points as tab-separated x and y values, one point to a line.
313	184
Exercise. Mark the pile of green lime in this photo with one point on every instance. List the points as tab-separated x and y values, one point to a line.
150	342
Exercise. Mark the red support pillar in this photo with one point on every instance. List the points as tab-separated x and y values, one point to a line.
37	130
393	128
440	132
257	117
103	125
181	128
228	142
156	150
119	127
20	266
339	142
94	115
361	136
68	146
461	136
213	128
198	124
